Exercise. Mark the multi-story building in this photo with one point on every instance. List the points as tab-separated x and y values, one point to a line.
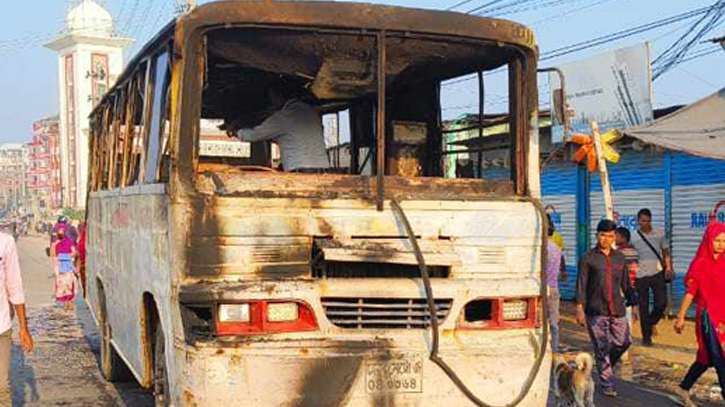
13	187
90	57
53	133
44	168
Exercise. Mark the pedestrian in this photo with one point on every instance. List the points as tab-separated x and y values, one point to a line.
63	252
70	231
556	271
705	283
603	291
631	257
81	259
12	301
654	271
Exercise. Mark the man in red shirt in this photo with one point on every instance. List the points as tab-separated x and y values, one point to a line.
602	280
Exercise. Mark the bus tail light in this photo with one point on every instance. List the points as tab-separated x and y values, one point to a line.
500	313
264	317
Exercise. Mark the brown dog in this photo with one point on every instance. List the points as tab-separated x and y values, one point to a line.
573	384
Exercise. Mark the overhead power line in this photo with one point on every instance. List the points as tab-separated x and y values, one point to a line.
463	3
678	50
490	3
605	39
560	15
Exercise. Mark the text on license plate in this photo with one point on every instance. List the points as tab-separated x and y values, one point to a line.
400	375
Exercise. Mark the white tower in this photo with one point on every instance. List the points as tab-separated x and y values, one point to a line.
90	58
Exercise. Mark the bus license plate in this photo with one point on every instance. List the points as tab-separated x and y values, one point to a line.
399	375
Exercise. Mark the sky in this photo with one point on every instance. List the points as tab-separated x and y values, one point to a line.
29	71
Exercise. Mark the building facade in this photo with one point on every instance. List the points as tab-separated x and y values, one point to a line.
90	58
44	168
13	185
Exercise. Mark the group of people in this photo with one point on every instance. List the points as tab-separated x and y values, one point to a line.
627	270
68	251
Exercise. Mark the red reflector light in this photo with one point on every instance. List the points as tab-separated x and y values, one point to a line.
255	318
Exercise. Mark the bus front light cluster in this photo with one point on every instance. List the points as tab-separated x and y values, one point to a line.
264	317
500	313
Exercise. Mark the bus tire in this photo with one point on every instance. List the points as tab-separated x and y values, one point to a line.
161	378
113	367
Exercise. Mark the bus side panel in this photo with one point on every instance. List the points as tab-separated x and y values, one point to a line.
130	256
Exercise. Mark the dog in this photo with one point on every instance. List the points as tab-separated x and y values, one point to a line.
573	384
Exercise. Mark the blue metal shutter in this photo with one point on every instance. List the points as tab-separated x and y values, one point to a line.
697	186
638	181
558	185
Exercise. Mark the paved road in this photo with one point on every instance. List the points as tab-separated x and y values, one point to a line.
63	368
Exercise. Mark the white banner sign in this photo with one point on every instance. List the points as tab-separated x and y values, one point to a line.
613	89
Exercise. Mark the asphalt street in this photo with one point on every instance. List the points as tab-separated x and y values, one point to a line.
63	368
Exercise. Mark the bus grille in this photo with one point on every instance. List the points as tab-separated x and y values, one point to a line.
383	313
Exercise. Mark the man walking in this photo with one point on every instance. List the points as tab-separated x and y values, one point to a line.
600	306
11	294
654	270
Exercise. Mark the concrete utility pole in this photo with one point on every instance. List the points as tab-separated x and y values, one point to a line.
606	187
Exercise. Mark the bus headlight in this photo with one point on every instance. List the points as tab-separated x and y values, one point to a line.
515	310
234	313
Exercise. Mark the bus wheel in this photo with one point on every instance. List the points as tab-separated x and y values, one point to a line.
161	379
112	366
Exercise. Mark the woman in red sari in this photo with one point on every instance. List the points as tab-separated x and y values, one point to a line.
705	283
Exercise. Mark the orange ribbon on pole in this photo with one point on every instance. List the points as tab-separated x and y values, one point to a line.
588	152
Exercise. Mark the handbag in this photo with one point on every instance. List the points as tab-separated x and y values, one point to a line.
668	275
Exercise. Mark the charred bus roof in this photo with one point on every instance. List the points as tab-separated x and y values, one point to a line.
360	17
349	17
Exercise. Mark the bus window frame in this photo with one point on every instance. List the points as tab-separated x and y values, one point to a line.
193	74
163	110
130	135
104	142
115	142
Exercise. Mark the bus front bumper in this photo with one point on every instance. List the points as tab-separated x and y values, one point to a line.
355	373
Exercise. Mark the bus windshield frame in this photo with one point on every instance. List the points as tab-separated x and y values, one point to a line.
523	106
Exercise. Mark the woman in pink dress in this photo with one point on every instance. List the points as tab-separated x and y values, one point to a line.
63	252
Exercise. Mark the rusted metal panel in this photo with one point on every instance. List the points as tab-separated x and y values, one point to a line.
128	242
273	237
237	183
348	371
398	251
